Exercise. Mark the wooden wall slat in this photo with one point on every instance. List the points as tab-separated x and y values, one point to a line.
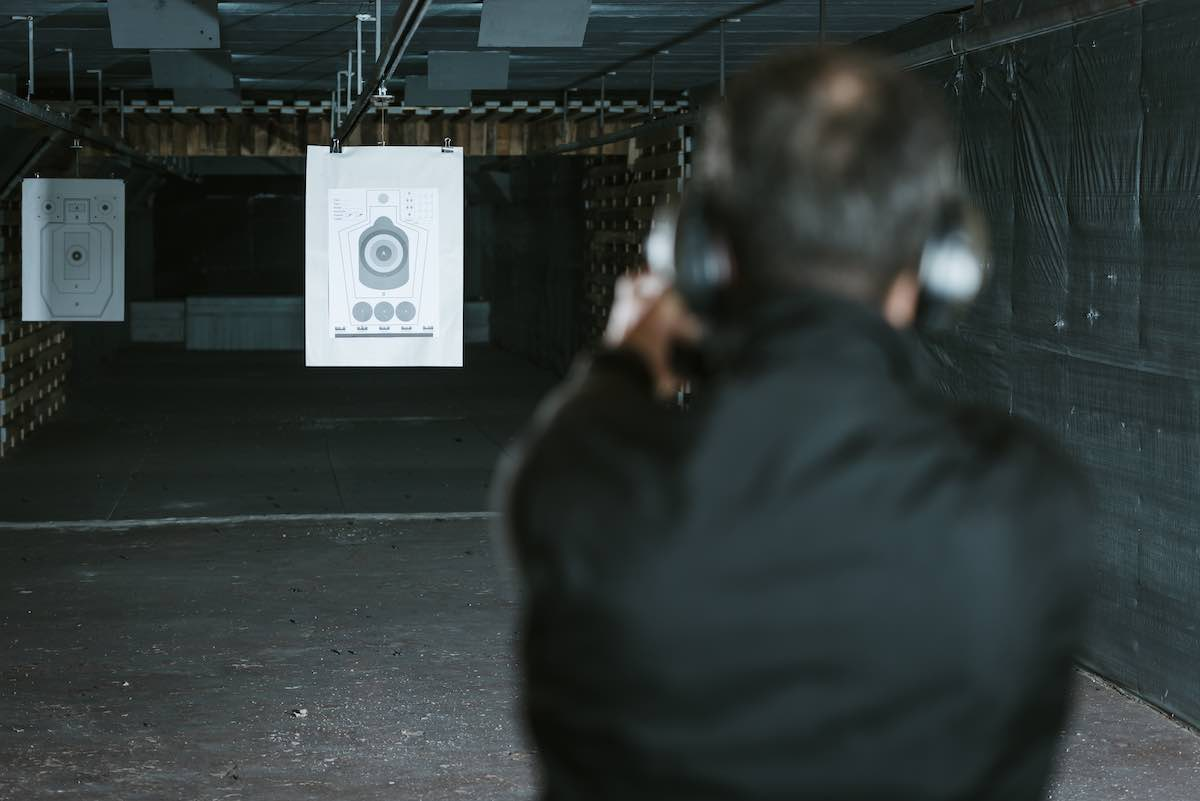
34	357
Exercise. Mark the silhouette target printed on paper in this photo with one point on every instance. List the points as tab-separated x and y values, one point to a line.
73	249
381	280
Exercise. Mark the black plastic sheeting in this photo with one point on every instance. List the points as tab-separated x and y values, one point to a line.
1083	148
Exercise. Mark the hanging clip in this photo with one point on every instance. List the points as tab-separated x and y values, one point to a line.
335	145
446	145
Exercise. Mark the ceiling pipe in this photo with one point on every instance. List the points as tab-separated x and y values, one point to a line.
70	70
343	109
359	19
722	67
603	100
99	96
378	27
29	35
653	70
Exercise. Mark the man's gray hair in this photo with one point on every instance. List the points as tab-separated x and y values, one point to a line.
827	168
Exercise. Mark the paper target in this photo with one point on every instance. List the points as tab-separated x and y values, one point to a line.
384	257
72	249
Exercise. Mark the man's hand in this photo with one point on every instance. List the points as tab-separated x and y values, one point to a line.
649	318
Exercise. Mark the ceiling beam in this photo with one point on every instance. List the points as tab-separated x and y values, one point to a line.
64	123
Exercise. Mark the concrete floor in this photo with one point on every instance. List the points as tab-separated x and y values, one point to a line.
254	653
170	434
348	661
1116	748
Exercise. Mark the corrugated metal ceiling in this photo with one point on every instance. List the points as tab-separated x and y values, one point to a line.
286	48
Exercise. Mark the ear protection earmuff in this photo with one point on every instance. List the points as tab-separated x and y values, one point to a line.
953	266
685	246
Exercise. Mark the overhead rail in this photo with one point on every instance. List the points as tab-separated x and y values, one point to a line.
29	162
1070	15
651	52
62	122
1008	33
404	27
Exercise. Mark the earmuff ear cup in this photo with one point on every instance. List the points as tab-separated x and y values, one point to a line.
703	263
953	264
953	267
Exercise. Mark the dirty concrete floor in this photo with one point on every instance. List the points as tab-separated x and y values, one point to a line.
348	661
337	657
1116	748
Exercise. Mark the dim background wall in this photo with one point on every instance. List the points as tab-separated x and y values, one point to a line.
230	235
1083	148
529	237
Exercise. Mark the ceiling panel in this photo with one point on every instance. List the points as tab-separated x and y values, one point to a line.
285	48
140	24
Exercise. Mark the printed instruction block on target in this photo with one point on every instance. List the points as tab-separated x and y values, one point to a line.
383	257
72	249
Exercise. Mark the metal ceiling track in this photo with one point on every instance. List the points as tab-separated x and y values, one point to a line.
1055	19
649	53
62	122
404	27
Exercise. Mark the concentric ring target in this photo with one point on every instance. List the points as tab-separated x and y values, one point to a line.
384	253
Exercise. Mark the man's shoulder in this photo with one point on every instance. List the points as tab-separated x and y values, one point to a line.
1018	478
1001	439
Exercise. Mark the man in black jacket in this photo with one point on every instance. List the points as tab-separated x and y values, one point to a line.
821	582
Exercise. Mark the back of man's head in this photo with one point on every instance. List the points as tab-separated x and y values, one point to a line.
828	169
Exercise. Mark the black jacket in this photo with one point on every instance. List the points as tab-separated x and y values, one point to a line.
820	583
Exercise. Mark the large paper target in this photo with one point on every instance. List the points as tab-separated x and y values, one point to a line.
383	283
